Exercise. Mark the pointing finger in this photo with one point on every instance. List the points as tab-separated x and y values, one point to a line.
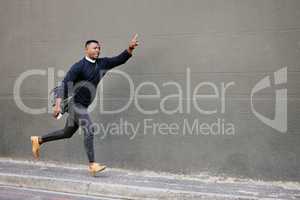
135	36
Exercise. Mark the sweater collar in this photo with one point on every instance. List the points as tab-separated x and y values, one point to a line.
90	60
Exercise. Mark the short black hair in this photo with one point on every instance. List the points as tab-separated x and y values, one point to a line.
90	41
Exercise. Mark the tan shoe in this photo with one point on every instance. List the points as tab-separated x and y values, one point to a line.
95	167
35	146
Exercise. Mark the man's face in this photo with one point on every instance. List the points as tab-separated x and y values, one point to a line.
92	50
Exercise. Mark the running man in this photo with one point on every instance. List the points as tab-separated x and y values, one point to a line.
89	69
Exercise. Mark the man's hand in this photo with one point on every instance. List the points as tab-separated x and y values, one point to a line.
57	108
133	44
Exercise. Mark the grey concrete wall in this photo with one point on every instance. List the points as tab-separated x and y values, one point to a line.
219	40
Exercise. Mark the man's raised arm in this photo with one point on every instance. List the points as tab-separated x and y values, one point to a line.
124	56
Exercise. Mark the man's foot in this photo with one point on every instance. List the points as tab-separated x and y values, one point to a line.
35	146
95	167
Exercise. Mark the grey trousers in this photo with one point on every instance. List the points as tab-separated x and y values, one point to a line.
77	117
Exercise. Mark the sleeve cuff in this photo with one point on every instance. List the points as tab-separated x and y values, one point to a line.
128	55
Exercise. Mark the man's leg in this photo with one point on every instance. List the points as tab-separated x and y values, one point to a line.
67	132
85	122
70	128
83	119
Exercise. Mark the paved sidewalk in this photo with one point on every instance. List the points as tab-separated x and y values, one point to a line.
123	184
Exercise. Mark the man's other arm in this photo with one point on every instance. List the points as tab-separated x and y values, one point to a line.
69	79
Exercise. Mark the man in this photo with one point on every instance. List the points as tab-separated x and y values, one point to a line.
90	70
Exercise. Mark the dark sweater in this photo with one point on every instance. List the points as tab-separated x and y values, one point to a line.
88	74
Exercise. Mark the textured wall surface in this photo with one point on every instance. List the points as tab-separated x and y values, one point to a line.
220	41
